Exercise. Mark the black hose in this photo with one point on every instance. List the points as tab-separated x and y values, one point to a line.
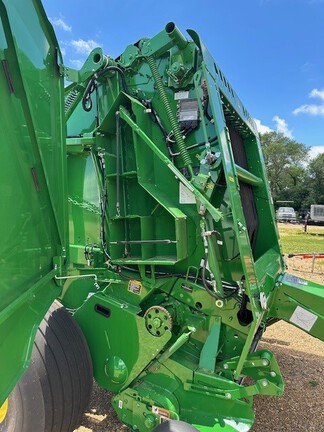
91	86
210	291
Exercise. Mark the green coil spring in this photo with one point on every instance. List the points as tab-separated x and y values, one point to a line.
173	121
70	99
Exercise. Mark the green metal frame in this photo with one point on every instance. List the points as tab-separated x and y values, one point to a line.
33	229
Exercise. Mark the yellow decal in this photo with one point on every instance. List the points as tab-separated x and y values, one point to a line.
135	287
3	410
161	412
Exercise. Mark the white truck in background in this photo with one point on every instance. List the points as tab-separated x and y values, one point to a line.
317	213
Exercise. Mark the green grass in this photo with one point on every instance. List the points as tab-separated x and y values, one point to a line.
293	239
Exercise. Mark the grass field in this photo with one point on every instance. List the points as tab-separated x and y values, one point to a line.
294	239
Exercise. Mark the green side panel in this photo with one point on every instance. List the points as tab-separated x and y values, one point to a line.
118	356
300	302
33	228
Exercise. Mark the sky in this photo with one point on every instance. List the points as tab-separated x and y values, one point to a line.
271	51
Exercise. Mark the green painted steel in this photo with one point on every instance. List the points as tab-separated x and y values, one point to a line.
174	269
33	227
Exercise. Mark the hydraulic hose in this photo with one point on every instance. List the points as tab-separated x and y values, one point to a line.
173	121
91	86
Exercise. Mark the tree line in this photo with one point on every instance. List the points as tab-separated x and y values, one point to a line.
292	175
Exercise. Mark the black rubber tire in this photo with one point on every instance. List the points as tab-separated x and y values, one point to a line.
55	390
175	426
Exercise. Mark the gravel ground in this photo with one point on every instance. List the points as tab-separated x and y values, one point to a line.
301	359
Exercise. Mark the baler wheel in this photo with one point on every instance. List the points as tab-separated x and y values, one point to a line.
55	390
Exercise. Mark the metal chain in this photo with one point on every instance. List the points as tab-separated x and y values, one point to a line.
85	205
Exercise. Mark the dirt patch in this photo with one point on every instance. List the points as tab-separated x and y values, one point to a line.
301	360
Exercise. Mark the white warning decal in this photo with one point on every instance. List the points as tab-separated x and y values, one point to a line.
185	195
181	95
303	318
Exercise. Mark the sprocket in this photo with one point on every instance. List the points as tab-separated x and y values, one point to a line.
158	320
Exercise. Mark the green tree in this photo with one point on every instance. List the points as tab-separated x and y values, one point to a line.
316	180
286	162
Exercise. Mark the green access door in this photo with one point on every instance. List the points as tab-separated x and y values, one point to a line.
33	227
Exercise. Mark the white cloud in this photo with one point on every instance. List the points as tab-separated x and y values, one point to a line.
82	46
312	109
315	151
282	127
317	93
61	24
261	127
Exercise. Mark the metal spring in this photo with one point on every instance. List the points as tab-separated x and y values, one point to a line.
70	98
173	121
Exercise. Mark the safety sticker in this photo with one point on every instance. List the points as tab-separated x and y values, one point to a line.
303	318
185	195
295	280
161	412
135	287
181	95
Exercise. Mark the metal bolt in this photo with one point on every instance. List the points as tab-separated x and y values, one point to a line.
265	362
264	383
219	303
273	374
157	322
225	366
228	396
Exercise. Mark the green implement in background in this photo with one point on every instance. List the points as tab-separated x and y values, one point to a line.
144	207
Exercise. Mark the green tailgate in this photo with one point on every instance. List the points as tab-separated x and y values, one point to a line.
33	177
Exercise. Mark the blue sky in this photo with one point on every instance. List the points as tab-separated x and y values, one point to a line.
270	50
